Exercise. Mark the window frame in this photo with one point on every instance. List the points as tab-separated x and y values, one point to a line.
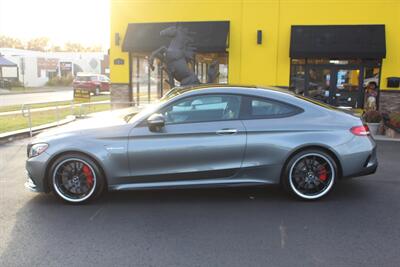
297	109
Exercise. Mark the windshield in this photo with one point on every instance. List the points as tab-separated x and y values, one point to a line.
85	78
141	114
174	92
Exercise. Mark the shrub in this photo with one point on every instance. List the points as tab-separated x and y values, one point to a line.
372	116
16	83
394	120
53	81
60	81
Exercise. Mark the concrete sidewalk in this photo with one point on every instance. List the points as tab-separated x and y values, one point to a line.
16	112
31	90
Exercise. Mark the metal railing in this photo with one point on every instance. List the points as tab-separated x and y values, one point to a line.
55	113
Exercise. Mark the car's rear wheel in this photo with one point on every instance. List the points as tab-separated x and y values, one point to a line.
76	178
310	174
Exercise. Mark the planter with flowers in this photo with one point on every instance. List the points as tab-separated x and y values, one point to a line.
392	123
373	119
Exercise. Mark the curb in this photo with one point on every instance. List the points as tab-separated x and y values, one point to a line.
385	138
24	133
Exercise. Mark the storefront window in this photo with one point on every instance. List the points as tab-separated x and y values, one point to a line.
318	61
298	61
150	84
297	79
371	76
319	83
340	82
347	79
205	60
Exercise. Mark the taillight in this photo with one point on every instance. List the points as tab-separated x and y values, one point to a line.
362	130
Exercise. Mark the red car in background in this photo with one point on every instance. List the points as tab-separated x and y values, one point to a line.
96	83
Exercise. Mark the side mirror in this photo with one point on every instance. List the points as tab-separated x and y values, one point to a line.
155	122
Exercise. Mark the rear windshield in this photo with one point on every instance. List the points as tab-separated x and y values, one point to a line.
86	78
316	102
347	110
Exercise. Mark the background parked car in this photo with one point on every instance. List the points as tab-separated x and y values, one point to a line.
373	80
96	83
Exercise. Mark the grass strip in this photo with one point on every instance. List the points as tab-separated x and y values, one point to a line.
15	122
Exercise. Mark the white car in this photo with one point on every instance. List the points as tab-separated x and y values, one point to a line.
374	80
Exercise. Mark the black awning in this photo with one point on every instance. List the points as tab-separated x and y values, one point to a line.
210	36
338	41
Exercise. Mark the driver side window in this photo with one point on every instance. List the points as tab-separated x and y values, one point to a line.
203	108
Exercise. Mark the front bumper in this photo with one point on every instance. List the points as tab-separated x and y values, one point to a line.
30	184
36	173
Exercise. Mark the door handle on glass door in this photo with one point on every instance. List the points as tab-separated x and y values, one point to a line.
226	131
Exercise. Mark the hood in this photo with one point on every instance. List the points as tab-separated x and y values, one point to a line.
101	122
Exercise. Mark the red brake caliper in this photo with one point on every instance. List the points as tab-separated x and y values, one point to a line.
323	175
89	175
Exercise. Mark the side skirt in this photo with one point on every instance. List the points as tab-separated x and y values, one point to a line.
190	184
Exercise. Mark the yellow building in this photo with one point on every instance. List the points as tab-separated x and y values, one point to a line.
327	49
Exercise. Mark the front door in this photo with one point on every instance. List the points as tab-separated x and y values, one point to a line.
202	139
347	87
319	83
335	85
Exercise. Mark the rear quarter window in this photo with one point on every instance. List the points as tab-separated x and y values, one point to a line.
258	108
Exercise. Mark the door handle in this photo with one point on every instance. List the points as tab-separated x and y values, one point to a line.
226	131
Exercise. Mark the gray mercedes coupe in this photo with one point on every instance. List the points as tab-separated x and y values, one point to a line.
207	136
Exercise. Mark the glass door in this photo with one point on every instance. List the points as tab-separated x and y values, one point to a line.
318	83
347	90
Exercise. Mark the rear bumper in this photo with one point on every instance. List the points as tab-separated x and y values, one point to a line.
369	166
369	169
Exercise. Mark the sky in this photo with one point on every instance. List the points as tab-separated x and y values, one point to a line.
81	21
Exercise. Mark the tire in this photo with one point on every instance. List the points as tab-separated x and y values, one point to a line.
97	91
76	179
310	174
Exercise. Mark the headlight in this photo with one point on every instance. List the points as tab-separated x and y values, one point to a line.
37	149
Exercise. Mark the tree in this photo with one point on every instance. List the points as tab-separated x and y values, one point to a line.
73	47
56	48
9	42
38	44
94	48
76	47
43	44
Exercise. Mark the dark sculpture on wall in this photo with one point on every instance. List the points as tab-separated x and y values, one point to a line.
175	58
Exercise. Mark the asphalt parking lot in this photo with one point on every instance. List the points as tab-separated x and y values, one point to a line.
358	224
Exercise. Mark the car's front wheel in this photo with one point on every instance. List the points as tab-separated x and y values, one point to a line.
310	174
76	178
